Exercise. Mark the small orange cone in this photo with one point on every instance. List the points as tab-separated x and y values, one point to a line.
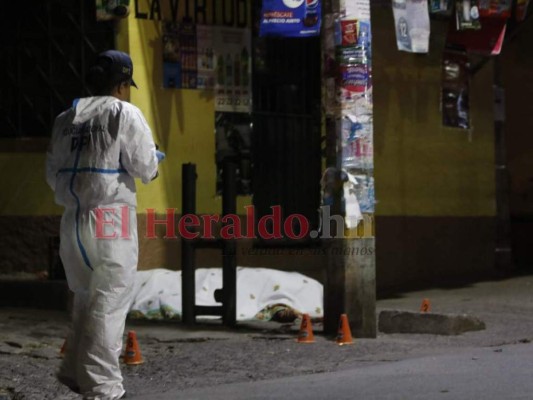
306	331
344	335
425	306
133	353
62	351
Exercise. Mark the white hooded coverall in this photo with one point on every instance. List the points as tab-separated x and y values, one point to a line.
97	149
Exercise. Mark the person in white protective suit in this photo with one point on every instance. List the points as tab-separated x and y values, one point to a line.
97	149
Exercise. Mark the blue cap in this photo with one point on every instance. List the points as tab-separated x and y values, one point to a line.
117	63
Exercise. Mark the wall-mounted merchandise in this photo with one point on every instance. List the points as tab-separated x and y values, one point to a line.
209	58
206	57
411	19
290	18
179	56
455	103
439	6
232	52
358	9
467	15
495	8
486	41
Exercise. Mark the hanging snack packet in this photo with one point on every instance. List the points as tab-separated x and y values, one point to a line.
411	18
467	14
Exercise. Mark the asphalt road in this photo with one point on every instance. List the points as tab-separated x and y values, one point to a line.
493	373
265	362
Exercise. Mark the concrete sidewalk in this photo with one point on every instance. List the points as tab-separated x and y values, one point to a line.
179	358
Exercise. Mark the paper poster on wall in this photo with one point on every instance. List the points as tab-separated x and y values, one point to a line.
179	55
358	9
188	55
232	51
171	56
107	10
206	57
411	19
290	18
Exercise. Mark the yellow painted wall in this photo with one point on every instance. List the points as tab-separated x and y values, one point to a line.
24	190
183	123
421	167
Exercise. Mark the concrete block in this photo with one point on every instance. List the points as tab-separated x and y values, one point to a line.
394	321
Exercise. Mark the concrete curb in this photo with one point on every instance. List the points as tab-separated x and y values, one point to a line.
394	321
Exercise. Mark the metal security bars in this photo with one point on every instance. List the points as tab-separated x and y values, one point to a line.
46	47
286	128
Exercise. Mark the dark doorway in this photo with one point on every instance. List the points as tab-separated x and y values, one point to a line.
286	119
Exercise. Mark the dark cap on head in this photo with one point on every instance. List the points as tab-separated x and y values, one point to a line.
116	63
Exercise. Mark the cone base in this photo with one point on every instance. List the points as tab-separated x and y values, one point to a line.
134	362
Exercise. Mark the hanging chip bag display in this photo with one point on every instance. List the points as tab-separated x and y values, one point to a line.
455	90
290	18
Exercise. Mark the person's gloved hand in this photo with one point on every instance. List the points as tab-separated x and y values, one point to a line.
160	155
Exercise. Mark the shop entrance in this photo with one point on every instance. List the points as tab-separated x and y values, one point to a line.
286	140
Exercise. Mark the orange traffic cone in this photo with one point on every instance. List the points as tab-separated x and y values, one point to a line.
133	353
344	335
62	351
306	331
425	306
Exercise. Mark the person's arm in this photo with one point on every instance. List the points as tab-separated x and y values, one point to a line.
137	148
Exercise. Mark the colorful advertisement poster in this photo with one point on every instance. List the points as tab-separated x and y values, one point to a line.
411	18
179	56
290	18
171	56
358	9
206	57
188	56
354	78
232	69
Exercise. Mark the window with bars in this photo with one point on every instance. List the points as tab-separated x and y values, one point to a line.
46	46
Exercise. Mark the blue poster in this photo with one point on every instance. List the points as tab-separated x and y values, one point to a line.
290	18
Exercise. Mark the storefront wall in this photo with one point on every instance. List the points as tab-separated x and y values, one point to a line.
434	185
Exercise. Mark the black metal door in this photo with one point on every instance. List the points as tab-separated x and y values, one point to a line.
286	127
